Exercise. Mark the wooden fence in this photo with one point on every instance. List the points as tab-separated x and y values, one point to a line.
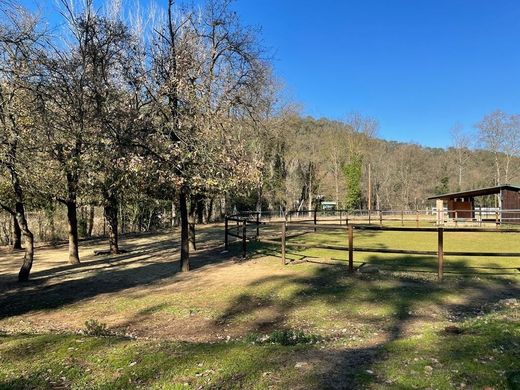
237	226
351	248
479	217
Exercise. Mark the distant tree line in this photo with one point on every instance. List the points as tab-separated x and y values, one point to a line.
306	157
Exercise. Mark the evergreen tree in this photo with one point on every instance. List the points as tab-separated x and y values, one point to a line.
352	172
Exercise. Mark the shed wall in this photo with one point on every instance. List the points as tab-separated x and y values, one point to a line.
464	207
510	201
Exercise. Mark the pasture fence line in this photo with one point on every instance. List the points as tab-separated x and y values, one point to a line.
239	230
479	216
351	248
236	226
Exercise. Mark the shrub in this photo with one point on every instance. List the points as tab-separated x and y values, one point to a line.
284	337
95	328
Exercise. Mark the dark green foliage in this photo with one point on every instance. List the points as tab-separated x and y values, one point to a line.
513	380
352	172
95	328
444	186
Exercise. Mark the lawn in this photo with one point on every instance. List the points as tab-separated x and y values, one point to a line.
232	323
422	241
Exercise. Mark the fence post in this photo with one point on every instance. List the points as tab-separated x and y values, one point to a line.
283	240
257	226
346	218
480	214
440	252
340	212
380	218
369	216
226	242
402	217
244	238
350	249
315	220
496	219
416	217
456	218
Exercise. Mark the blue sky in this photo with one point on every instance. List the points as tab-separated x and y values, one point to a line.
418	66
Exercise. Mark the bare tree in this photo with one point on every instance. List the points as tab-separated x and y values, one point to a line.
112	74
363	124
206	79
19	39
72	105
461	143
511	147
493	130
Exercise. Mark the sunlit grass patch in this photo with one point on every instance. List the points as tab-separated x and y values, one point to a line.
484	353
412	241
50	361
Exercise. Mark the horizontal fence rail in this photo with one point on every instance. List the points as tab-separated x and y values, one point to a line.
479	216
237	226
439	253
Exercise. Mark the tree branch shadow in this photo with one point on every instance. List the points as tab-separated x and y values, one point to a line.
409	298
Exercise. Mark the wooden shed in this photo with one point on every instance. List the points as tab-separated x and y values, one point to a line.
461	205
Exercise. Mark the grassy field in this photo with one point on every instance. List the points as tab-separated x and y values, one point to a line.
425	241
257	324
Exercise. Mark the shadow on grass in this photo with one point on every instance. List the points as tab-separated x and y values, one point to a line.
106	363
407	298
108	275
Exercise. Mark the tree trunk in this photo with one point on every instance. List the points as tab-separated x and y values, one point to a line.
17	234
259	199
209	211
336	185
49	214
506	171
223	207
72	218
122	216
310	190
150	219
199	209
174	215
497	167
90	222
110	213
185	249
25	270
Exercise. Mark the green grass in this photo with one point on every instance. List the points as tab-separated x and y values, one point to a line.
453	242
49	361
485	354
259	324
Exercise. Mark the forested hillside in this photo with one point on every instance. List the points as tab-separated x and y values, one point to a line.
305	157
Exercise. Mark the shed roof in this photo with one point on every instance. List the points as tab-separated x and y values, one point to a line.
477	192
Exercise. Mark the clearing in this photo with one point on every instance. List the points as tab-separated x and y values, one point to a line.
257	324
